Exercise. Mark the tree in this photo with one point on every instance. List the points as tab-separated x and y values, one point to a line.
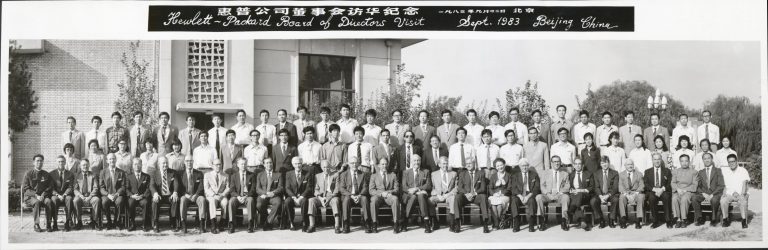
22	100
621	96
740	120
527	100
138	92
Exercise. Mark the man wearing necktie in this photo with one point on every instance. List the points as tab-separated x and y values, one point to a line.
190	189
282	123
230	152
63	182
112	186
353	186
361	150
165	190
299	187
166	134
658	186
405	153
324	126
606	190
216	190
138	193
710	188
397	128
385	188
443	190
269	188
433	154
631	187
471	187
447	131
140	133
325	195
217	135
581	192
37	187
74	136
524	188
423	131
87	191
384	149
417	185
240	194
459	152
189	136
283	152
303	122
555	185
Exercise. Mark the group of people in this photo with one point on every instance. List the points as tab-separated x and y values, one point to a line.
271	169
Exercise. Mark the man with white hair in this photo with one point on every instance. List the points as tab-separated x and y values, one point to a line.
524	188
216	190
417	185
554	187
443	190
631	187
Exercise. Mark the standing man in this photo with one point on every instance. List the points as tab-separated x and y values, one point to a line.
282	123
405	154
204	154
323	127
582	128
165	188
189	137
684	184
560	122
302	122
655	129
353	186
606	190
326	194
710	188
242	129
536	150
417	185
241	186
541	128
443	190
474	129
603	131
708	130
423	131
658	186
511	152
63	183
631	187
166	134
37	189
333	150
216	191
684	129
554	187
372	131
361	150
447	131
230	151
139	134
460	152
472	187
309	150
112	185
116	133
582	187
524	189
397	128
267	131
384	149
74	136
628	131
384	187
519	128
486	153
283	152
435	151
346	124
269	188
299	188
736	179
138	193
95	134
255	153
191	190
87	191
216	135
496	129
564	150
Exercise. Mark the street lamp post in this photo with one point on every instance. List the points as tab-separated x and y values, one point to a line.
657	103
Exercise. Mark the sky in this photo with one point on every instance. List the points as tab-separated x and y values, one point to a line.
690	71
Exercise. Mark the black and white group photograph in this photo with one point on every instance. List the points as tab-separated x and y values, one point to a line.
382	141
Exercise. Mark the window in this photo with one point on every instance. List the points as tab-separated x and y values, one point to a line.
325	78
206	69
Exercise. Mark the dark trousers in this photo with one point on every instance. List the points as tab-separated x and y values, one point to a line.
666	201
346	206
47	205
715	203
597	209
515	203
164	199
412	198
95	207
392	200
234	205
289	205
145	207
577	200
119	205
480	199
66	202
261	205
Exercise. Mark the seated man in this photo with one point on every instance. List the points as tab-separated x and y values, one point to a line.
353	186
87	191
684	184
736	179
62	195
385	188
658	186
299	187
216	191
471	187
37	188
524	188
138	193
112	184
554	187
165	189
443	190
581	192
710	188
631	188
417	185
269	188
241	185
191	190
326	194
606	190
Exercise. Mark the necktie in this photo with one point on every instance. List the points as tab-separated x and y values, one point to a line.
165	183
525	184
354	182
577	183
282	149
397	130
708	177
218	147
61	177
189	182
629	177
163	133
243	184
269	180
658	178
384	175
70	136
445	179
706	131
605	182
630	129
462	155
448	131
138	140
488	155
359	153
557	184
472	180
112	180
654	130
96	135
298	177
436	156
424	130
328	183
189	131
415	174
408	155
85	184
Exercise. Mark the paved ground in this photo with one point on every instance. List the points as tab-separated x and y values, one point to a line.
414	238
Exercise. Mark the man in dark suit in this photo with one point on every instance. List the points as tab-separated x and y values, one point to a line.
433	153
283	152
384	187
240	185
542	128
165	189
423	131
711	186
384	150
165	134
191	189
230	152
658	185
282	123
606	190
87	191
472	186
299	187
37	189
353	186
655	129
112	183
138	193
269	188
524	188
417	185
581	192
405	152
62	195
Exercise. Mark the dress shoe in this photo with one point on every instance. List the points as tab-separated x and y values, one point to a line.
435	223
713	223
683	224
623	222
744	223
92	225
427	226
267	227
311	229
638	225
79	225
37	228
367	227
66	226
345	226
588	227
203	228
156	228
55	225
612	223
396	228
231	227
726	222
542	223
337	230
602	223
699	221
655	225
531	228
678	224
515	225
376	227
404	226
486	229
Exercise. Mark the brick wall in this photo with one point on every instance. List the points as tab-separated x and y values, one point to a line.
71	78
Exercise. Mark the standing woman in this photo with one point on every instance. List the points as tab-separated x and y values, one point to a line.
660	146
149	157
123	156
590	155
96	157
684	147
721	157
615	154
640	155
499	198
